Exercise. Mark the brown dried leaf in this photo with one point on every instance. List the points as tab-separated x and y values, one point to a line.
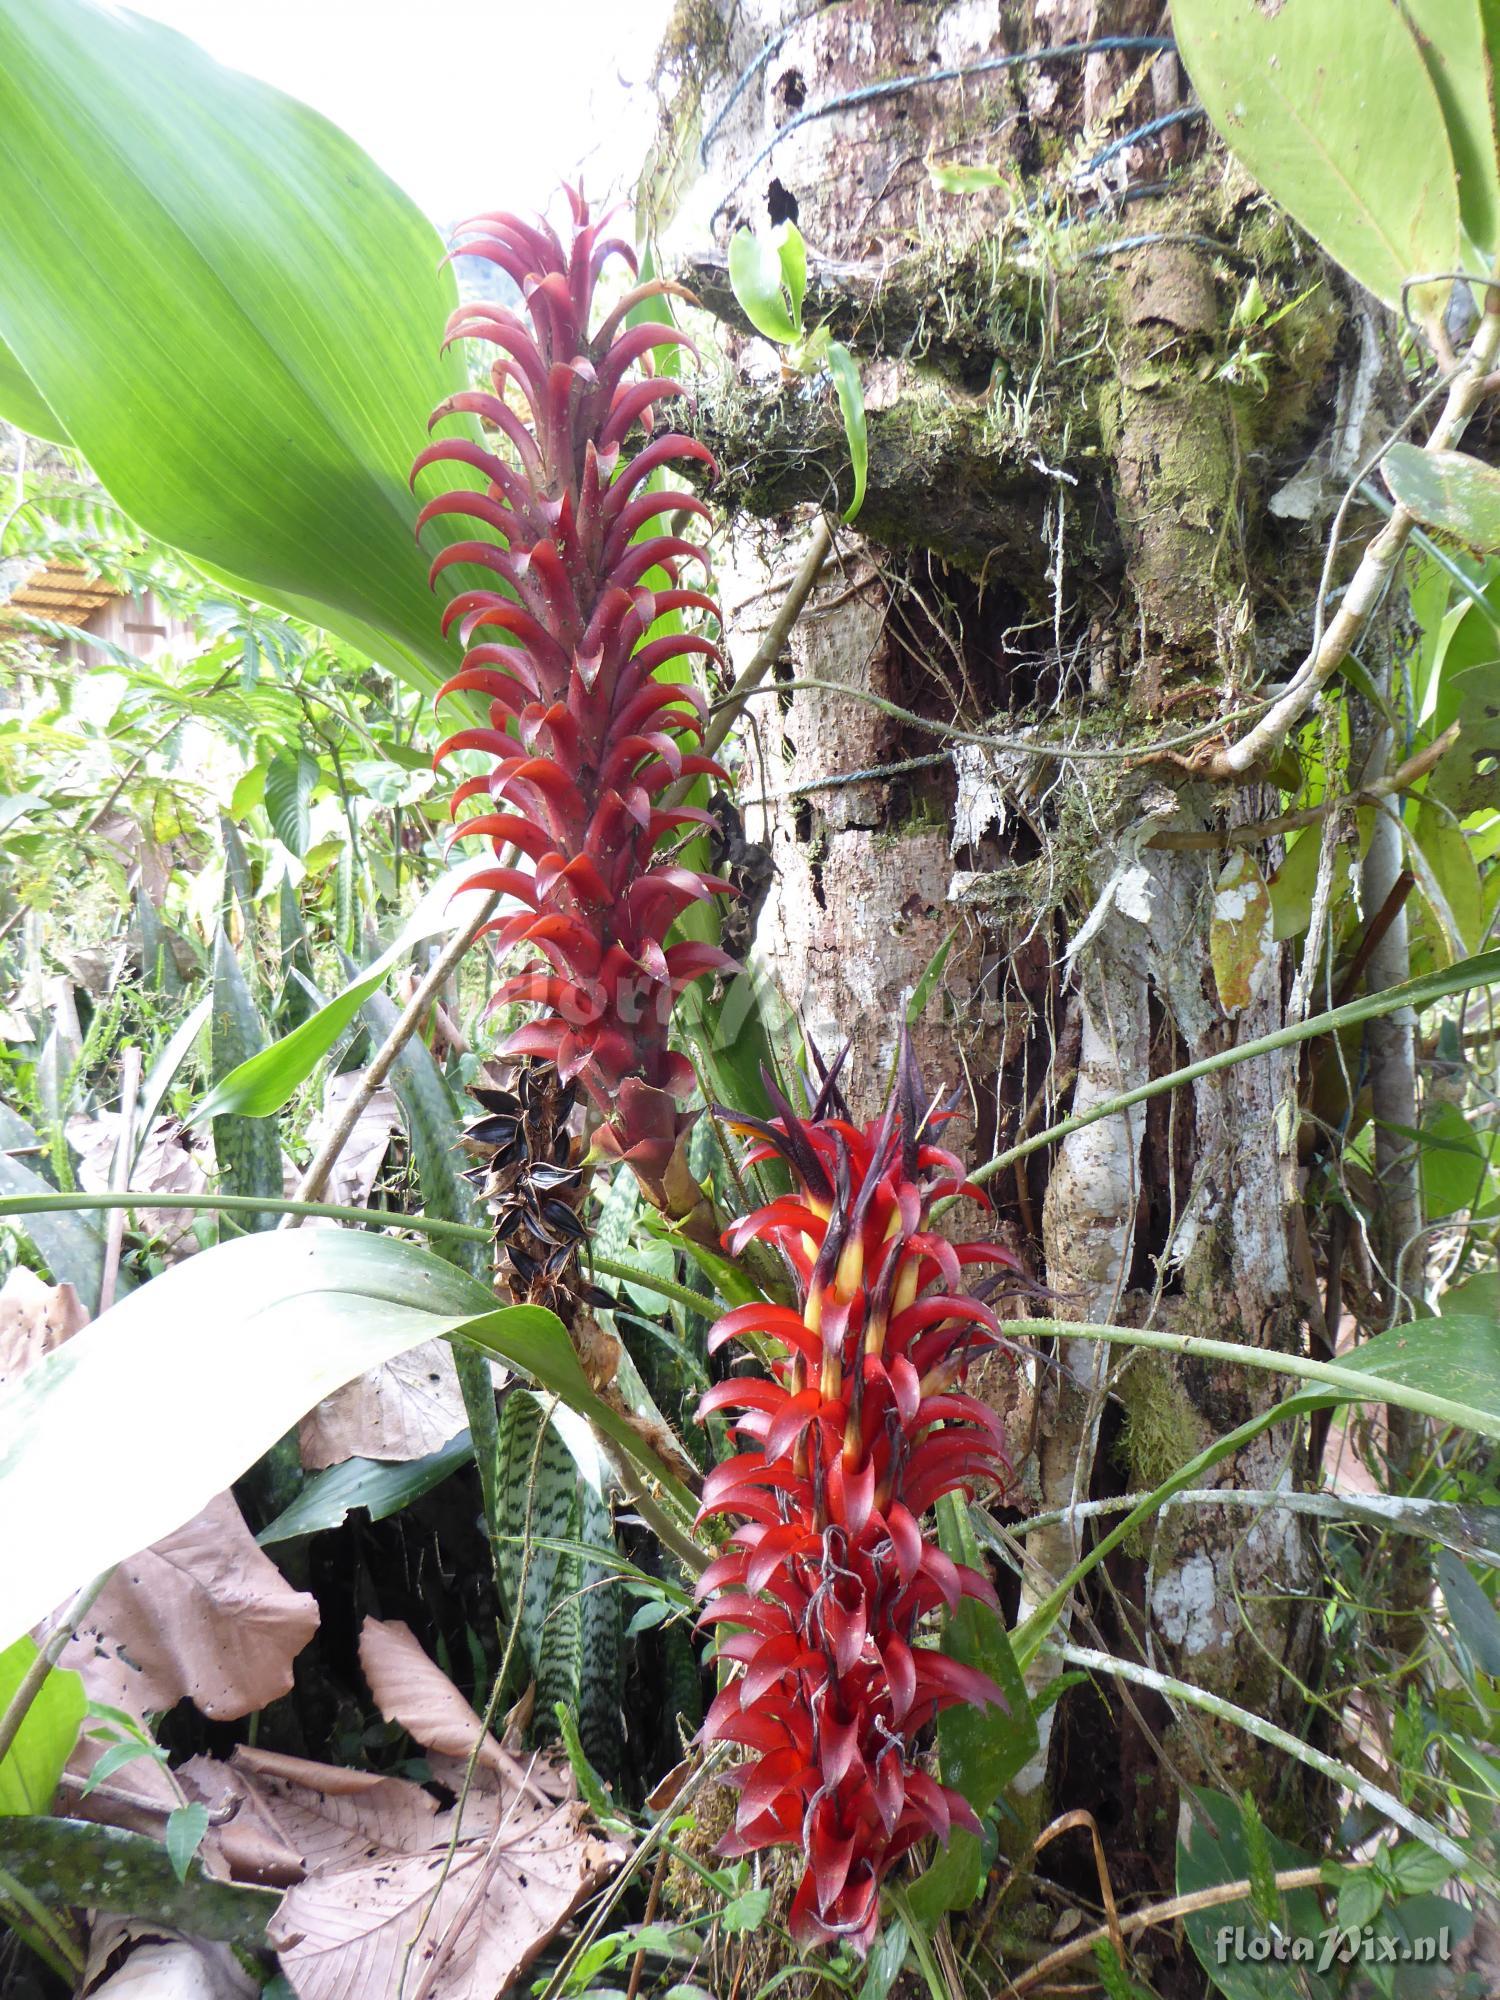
171	1160
1241	935
161	1968
354	1172
413	1690
381	1897
35	1317
405	1410
203	1613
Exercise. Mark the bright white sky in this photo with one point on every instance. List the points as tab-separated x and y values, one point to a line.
467	104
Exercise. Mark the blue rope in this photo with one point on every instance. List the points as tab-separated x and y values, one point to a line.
1149	131
895	86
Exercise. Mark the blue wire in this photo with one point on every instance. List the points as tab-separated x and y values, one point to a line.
894	86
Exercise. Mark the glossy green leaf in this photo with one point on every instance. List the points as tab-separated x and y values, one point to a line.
1454	37
247	1149
382	1487
1308	94
30	1769
237	317
283	1319
979	1750
1453	871
755	274
1454	1161
290	778
792	251
1447	490
22	403
71	1864
850	392
1211	1851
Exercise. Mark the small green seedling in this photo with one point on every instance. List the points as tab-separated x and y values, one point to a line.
769	276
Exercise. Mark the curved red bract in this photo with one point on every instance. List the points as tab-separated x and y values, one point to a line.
584	735
857	1430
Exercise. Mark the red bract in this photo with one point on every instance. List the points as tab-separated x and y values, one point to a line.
585	736
859	1428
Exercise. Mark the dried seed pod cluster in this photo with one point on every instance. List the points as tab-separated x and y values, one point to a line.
532	1179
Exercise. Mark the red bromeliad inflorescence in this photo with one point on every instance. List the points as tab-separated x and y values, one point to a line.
859	1424
851	1437
585	734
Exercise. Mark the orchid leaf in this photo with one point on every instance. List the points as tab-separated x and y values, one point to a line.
1306	94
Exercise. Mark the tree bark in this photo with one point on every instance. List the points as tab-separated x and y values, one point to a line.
1092	521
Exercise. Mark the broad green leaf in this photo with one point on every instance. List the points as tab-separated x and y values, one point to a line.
980	1750
1474	1617
243	339
175	1391
1468	778
850	392
1308	94
755	274
963	179
30	1769
1453	870
290	778
1454	37
1455	1161
1447	490
70	1245
381	1486
71	1863
1211	1851
747	1912
22	403
247	1149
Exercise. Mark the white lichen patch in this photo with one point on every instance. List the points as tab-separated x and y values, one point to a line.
1185	1605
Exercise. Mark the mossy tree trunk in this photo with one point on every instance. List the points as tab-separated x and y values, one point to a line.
1085	526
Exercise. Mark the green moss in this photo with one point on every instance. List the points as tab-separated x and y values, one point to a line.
1162	1430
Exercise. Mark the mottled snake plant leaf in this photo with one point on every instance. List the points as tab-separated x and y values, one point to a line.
235	316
